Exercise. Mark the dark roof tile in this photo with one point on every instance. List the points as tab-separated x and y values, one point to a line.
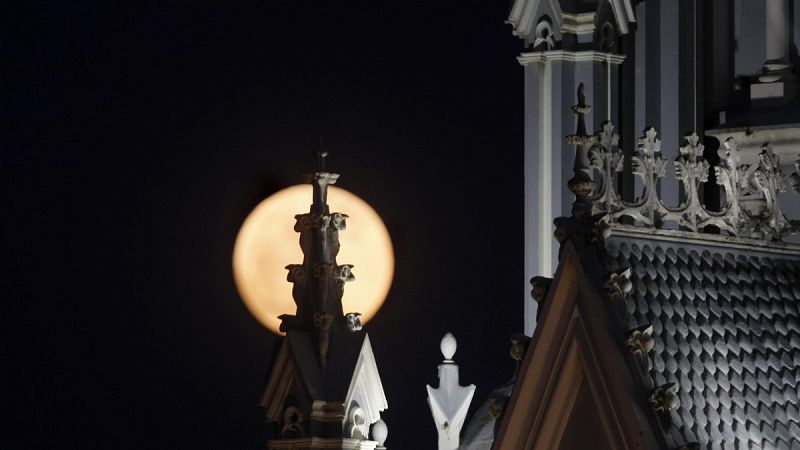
726	326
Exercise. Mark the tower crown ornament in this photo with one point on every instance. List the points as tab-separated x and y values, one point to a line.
319	281
581	183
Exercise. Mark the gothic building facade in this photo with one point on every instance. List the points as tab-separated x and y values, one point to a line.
719	69
660	229
662	207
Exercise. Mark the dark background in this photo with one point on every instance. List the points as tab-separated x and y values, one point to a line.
138	138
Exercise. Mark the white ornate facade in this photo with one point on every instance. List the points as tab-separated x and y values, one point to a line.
660	71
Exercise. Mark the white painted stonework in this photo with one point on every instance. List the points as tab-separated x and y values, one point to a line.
365	398
450	401
784	139
379	433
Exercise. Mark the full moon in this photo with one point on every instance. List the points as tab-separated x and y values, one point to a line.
267	243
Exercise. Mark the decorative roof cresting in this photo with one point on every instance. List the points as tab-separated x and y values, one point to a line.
750	206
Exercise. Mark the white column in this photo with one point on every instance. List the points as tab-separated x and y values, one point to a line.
777	30
777	85
777	38
450	401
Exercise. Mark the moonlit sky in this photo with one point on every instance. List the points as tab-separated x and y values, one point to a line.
267	240
139	137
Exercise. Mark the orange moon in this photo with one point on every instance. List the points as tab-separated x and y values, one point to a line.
267	242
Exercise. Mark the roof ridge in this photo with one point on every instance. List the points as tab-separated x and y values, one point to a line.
707	239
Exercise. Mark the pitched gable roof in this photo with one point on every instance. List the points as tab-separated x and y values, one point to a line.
366	387
351	374
525	13
576	358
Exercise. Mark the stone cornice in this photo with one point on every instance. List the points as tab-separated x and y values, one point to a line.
784	138
565	55
716	240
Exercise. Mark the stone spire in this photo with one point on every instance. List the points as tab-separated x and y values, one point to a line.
581	183
324	390
587	231
319	280
450	401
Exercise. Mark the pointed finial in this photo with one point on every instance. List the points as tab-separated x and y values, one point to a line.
322	154
581	109
448	347
581	183
321	179
449	402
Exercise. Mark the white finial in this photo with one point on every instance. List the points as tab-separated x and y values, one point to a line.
379	432
450	401
448	347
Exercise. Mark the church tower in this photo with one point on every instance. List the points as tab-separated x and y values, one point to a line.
720	69
324	390
566	43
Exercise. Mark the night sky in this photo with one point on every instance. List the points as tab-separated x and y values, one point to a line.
138	138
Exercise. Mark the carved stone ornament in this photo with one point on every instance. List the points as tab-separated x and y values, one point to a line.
664	399
344	273
339	221
617	286
356	426
607	159
540	286
794	178
751	207
333	221
353	321
607	39
519	346
640	340
639	343
297	273
292	420
544	35
596	232
585	229
767	181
